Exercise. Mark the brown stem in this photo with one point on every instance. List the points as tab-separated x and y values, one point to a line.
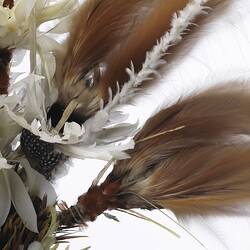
97	200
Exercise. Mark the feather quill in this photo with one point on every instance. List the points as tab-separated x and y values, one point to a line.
192	158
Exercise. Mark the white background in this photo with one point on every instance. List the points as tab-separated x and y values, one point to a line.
216	52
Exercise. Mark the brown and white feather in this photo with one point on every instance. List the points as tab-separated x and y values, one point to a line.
106	36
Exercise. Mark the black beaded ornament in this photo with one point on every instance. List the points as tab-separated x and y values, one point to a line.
41	155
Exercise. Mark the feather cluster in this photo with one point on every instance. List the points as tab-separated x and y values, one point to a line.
99	136
107	118
192	158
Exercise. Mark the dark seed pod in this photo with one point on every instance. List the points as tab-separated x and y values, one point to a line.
5	58
8	4
41	155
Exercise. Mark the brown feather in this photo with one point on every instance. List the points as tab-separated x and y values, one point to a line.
200	167
106	36
202	180
206	119
193	157
142	38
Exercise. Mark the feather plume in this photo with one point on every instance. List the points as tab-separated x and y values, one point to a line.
192	158
107	116
106	36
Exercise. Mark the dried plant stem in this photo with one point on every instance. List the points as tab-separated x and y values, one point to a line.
66	114
102	172
160	134
143	217
169	217
33	41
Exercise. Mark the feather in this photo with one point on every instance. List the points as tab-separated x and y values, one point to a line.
202	165
192	158
141	40
106	36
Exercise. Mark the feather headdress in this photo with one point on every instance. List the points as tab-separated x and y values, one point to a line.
192	158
